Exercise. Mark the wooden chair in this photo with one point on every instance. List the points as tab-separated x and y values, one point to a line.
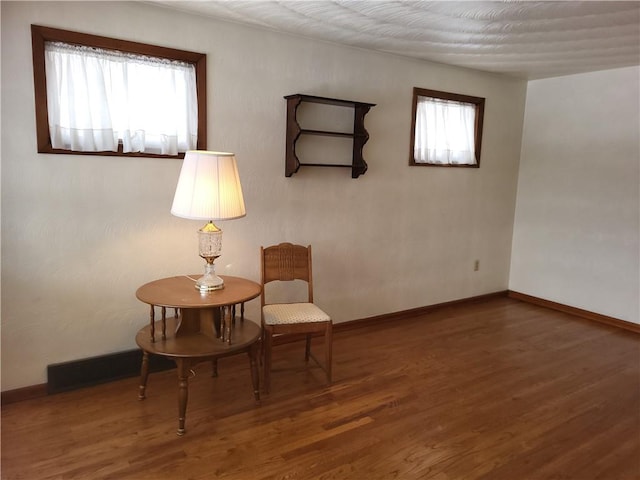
287	262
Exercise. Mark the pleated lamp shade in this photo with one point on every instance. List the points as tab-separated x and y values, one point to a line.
208	187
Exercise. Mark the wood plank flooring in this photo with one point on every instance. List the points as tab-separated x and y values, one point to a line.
493	390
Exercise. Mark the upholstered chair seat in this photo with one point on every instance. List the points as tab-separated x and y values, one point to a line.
289	313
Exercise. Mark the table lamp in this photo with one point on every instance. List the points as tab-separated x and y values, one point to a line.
209	189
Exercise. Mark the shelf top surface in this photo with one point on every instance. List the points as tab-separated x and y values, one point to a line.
328	101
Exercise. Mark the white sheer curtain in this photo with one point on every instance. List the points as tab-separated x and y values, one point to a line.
98	97
444	132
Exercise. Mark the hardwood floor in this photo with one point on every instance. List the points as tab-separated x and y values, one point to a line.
494	390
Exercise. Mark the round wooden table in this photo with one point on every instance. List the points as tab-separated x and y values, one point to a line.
203	327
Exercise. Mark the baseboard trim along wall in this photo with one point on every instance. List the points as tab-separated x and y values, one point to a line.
578	312
25	393
413	312
105	368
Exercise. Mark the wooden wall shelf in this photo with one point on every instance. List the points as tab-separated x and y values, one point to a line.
359	134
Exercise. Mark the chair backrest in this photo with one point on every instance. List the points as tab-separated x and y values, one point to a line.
286	262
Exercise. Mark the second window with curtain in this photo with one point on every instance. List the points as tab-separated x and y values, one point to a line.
446	129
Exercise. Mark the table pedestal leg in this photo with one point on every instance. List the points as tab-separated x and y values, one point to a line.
183	392
144	374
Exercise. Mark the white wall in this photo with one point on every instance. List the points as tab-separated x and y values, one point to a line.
576	234
81	233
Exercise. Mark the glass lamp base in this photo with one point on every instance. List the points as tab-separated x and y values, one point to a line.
209	281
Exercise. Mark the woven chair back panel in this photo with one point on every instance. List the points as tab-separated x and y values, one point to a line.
286	262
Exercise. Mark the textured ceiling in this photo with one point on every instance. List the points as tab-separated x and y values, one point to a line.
526	39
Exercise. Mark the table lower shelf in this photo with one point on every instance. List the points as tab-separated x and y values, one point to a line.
200	344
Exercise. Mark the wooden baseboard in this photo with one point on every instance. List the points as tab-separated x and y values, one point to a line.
413	312
578	312
26	393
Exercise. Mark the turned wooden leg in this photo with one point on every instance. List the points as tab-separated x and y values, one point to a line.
226	324
152	322
164	323
183	392
144	374
254	352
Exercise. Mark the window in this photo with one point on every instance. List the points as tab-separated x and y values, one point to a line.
446	129
99	95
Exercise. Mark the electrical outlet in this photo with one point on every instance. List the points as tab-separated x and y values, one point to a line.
476	265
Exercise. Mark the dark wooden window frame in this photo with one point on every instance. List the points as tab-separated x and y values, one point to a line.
40	35
479	107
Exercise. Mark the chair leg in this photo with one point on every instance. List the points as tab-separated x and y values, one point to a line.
328	342
266	346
